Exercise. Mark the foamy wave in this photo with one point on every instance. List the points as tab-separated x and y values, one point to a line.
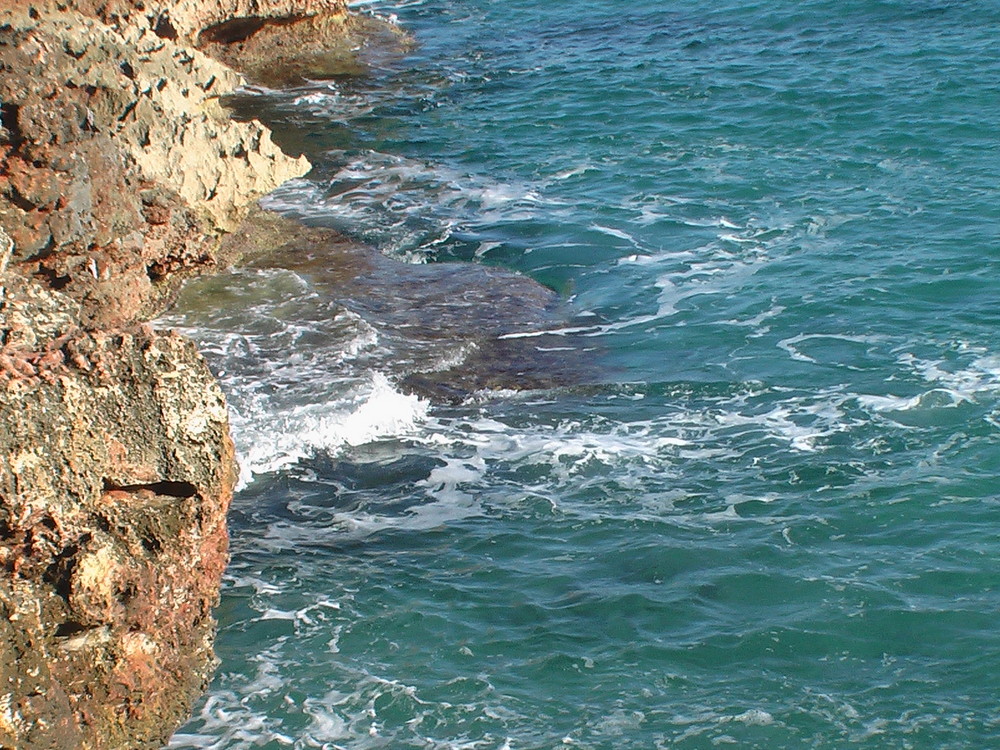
571	456
404	206
793	345
267	441
970	375
296	367
719	267
979	376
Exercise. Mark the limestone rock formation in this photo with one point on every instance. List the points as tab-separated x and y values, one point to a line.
118	167
185	21
115	483
119	174
271	41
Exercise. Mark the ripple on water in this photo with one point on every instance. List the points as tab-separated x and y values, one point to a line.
758	513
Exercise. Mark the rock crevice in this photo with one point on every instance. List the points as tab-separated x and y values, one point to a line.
119	174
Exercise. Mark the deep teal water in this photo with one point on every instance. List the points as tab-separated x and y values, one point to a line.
772	522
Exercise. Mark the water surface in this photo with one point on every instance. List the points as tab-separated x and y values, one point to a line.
765	517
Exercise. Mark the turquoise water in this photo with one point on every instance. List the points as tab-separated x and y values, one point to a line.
767	518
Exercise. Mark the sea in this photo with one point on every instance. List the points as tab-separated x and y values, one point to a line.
651	399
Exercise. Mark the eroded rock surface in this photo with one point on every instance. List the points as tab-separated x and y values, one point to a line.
270	41
118	167
119	174
185	21
115	483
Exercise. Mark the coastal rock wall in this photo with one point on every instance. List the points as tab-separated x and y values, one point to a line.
119	174
272	41
118	167
186	21
117	475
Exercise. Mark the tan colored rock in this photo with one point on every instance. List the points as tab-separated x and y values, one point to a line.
186	20
116	478
118	167
272	42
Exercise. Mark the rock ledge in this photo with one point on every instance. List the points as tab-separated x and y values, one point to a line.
119	174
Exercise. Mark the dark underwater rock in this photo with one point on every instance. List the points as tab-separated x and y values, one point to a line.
498	330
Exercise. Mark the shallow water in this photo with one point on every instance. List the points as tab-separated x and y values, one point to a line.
764	514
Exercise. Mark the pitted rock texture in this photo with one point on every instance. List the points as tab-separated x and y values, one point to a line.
271	41
285	52
118	167
115	482
187	20
119	174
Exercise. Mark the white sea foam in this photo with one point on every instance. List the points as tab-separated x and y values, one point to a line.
646	458
620	234
297	369
799	423
405	206
323	101
971	376
792	345
566	449
757	321
890	403
979	374
755	717
657	259
721	266
269	441
376	4
430	515
574	171
718	275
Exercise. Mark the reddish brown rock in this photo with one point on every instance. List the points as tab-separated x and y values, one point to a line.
287	51
117	475
119	174
119	169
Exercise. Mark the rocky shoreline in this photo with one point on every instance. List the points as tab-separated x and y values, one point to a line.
120	173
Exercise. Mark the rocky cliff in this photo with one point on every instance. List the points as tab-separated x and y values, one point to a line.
119	173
